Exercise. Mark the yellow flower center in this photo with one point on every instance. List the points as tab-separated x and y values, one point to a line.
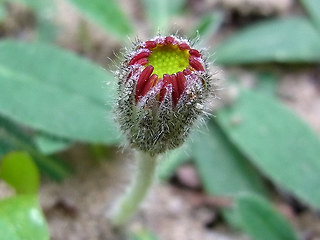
168	59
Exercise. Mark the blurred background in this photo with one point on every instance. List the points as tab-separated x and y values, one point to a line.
251	171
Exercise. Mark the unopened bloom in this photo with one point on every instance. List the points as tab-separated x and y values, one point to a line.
163	86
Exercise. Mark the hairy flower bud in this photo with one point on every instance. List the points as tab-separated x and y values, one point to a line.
163	86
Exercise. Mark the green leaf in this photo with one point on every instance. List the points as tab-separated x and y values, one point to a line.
160	12
171	162
19	171
208	25
3	12
313	6
13	137
22	219
267	83
50	144
289	40
222	168
46	30
57	92
107	13
282	146
261	221
142	234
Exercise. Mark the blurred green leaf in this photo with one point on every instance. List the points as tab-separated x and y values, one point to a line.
171	162
267	83
261	221
287	40
282	146
99	152
107	13
13	137
10	137
20	172
50	144
313	6
57	92
223	169
46	30
160	12
208	25
142	235
22	219
3	12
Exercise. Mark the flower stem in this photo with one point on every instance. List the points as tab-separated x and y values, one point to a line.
131	200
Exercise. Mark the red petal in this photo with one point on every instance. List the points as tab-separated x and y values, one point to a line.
181	80
169	40
151	44
195	64
144	76
138	57
150	83
184	46
195	52
142	61
166	80
186	72
175	89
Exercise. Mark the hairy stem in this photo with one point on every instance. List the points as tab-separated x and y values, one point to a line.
130	201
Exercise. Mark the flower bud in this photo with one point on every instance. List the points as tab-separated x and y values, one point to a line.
163	85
